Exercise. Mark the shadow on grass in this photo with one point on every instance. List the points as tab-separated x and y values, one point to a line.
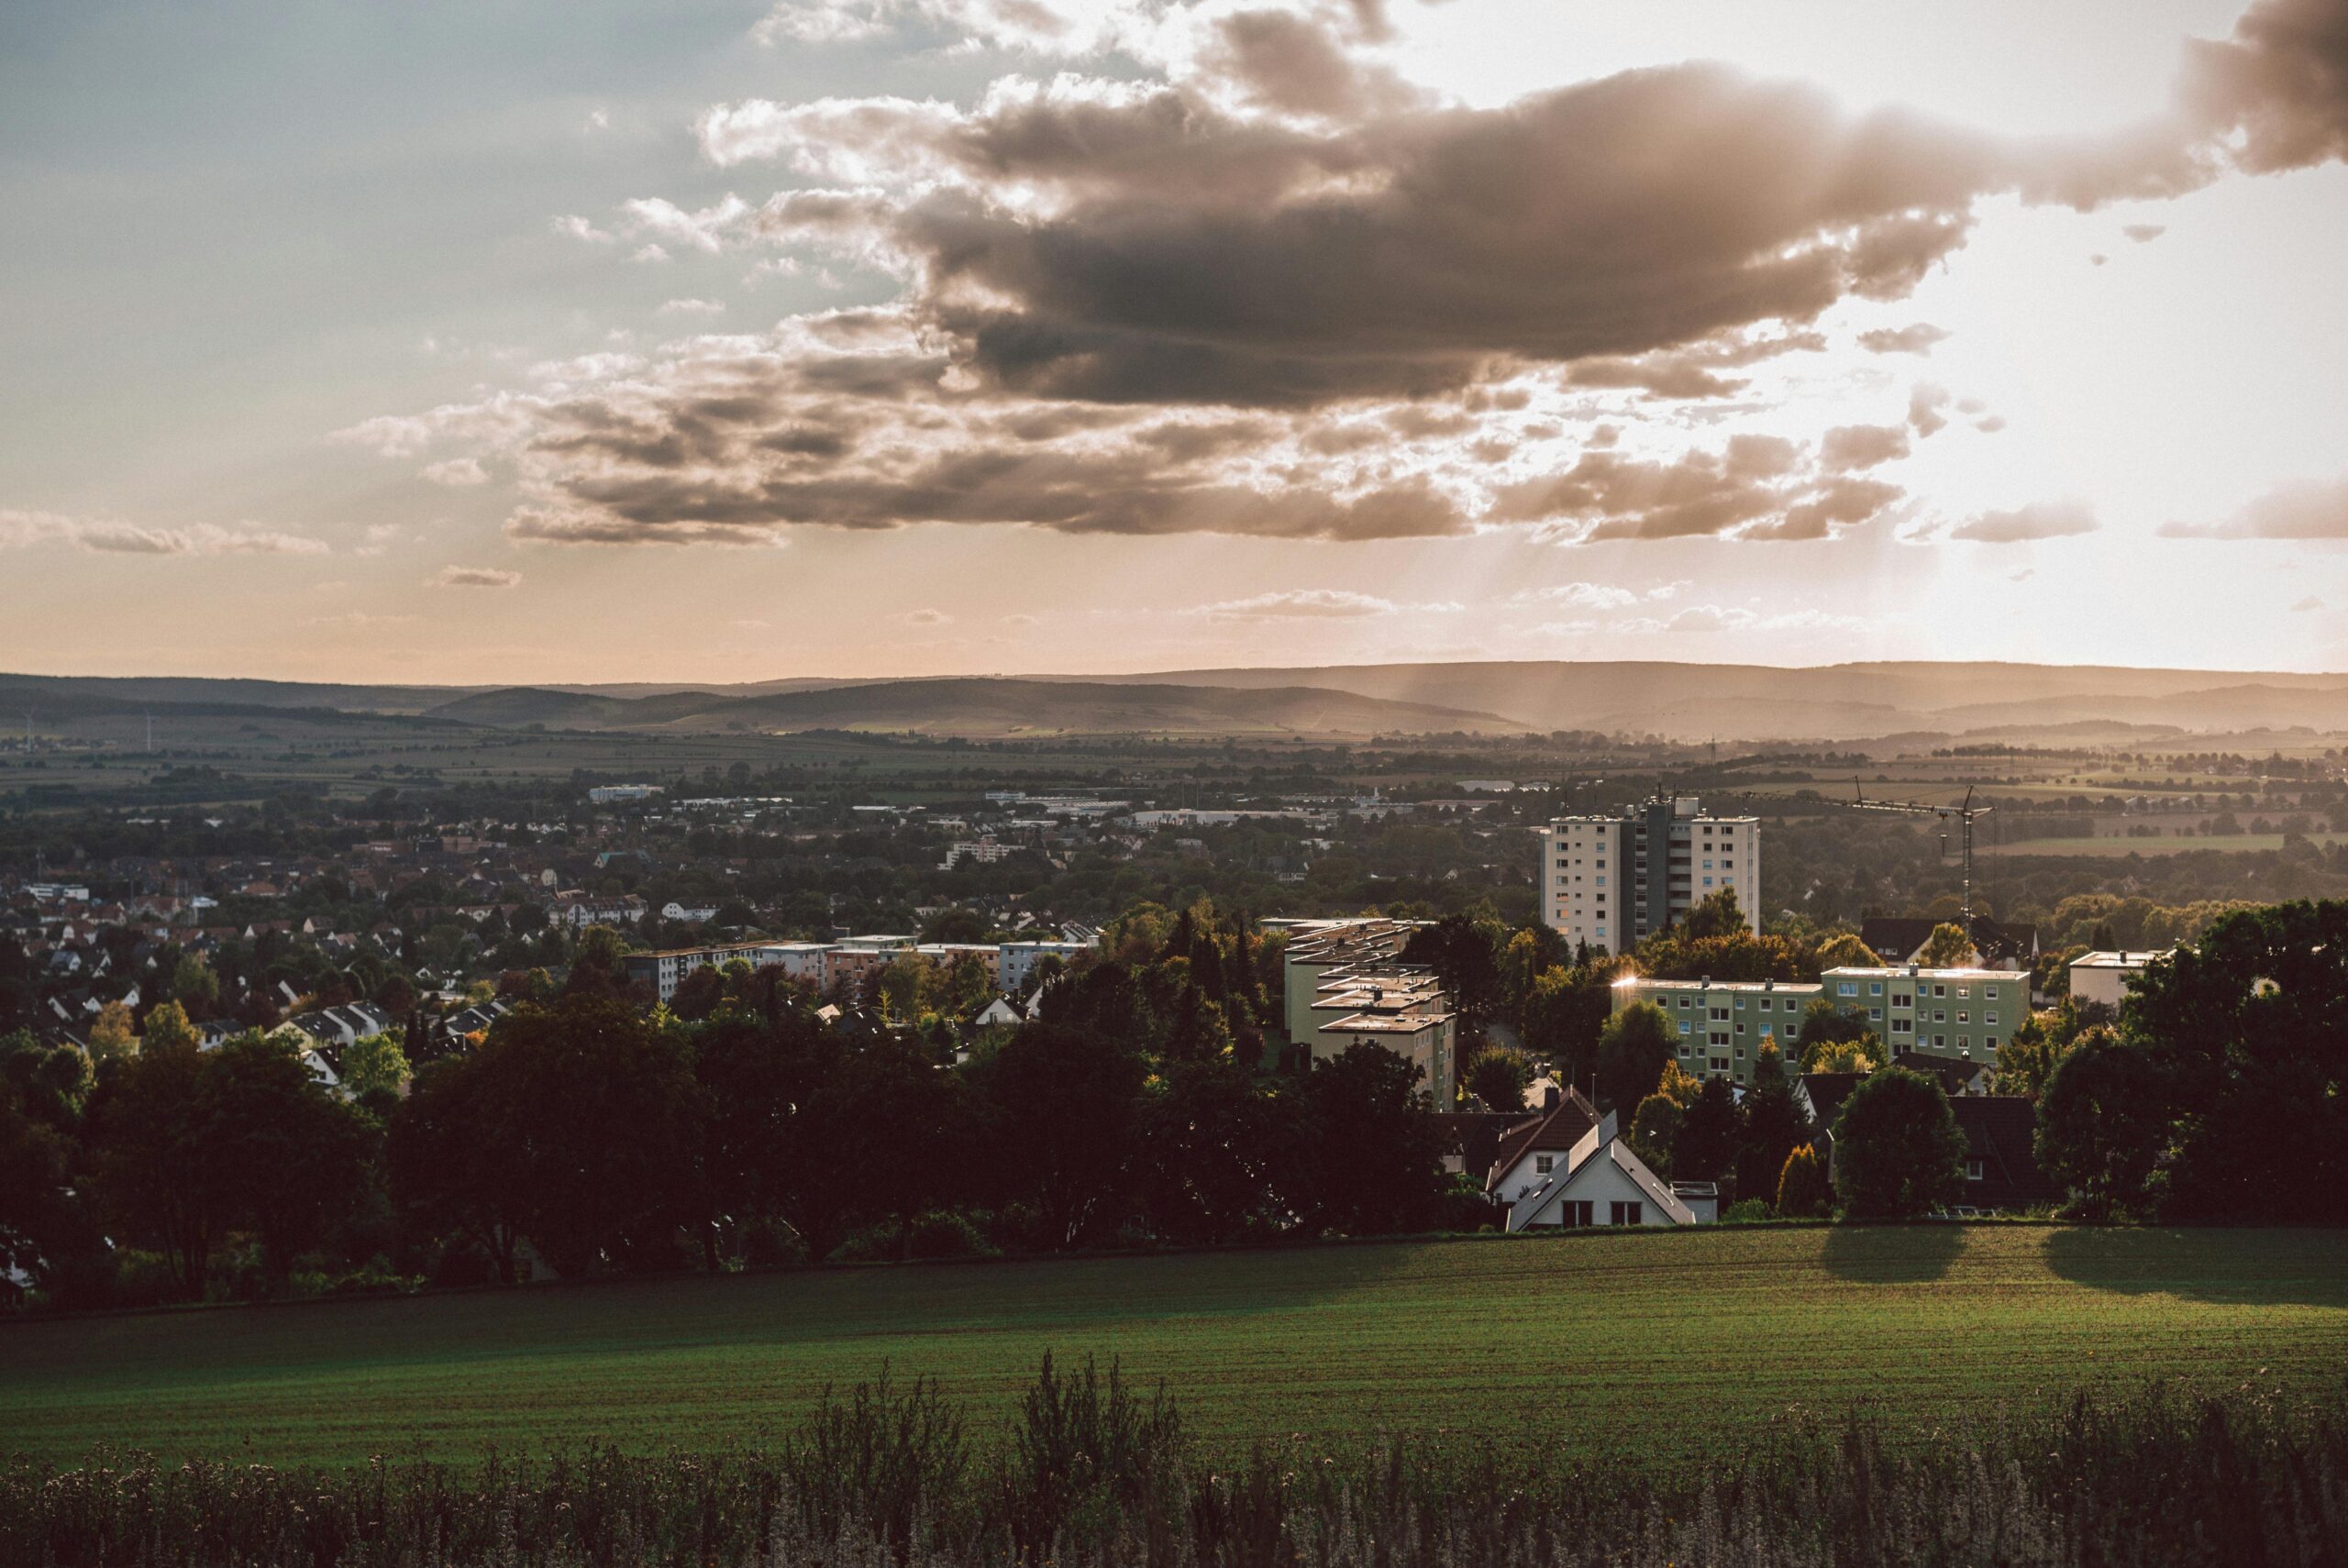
2283	1265
1891	1254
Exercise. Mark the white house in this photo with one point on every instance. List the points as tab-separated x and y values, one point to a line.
1602	1182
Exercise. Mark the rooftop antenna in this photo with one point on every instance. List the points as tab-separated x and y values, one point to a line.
150	732
1963	814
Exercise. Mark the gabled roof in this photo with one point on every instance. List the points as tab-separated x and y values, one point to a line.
1895	939
1553	1134
2000	1131
1600	1145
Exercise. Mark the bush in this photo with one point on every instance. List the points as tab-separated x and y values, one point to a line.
943	1234
1747	1211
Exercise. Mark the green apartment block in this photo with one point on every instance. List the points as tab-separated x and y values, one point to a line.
1960	1014
1722	1024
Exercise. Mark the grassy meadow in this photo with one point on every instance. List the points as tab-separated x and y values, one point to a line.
1667	1342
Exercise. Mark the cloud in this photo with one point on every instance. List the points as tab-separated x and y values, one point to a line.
926	618
1916	339
2039	520
473	577
1248	281
1862	446
691	307
2304	605
2144	233
572	225
457	472
597	119
1924	405
1302	604
2276	92
20	529
2308	510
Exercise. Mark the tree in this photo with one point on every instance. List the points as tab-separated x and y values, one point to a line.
1498	1076
1706	1148
1364	1158
1774	1125
112	1037
167	1029
955	922
152	1178
599	968
374	1064
1716	914
453	1173
193	984
33	1168
1208	1139
1824	1022
1842	1056
2103	1123
1948	947
1845	950
283	1154
1898	1152
1654	1131
1802	1190
1634	1048
1062	1109
1464	953
2246	1026
583	1117
698	994
1565	1012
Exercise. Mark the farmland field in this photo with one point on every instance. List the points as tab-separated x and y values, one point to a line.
1669	1341
2117	848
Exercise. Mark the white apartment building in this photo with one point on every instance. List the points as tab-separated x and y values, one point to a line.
1610	881
2105	977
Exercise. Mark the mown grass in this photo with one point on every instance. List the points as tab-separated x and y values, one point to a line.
1660	1342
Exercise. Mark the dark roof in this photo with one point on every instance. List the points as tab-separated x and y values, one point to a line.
1827	1092
1895	938
1998	1132
1556	1131
1953	1072
1475	1135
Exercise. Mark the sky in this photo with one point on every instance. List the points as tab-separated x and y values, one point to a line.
503	341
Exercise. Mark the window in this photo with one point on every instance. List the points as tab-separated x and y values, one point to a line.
1972	1170
1846	987
1962	993
1686	1027
1963	1018
1707	881
1574	1212
1626	1213
1900	1026
1940	1015
1875	1014
1940	990
1708	866
1542	1163
1874	987
1990	1041
1720	1015
1684	1002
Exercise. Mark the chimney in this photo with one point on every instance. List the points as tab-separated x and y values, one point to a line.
1549	1098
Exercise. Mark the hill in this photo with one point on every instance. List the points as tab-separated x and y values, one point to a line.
1649	1343
1834	702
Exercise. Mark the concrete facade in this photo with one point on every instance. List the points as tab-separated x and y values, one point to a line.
1964	1014
1610	881
1723	1025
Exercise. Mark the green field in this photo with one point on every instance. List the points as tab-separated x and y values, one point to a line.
1666	1341
2119	848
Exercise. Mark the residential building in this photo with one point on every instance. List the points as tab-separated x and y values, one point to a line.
1343	983
1600	1182
1530	1153
1610	880
1962	1014
662	973
1019	959
2105	977
1722	1024
1901	940
615	794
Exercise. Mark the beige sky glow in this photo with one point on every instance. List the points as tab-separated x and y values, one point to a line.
892	336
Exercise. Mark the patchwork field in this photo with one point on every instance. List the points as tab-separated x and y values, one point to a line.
2119	848
1663	1341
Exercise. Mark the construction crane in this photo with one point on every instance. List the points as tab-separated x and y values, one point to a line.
1963	814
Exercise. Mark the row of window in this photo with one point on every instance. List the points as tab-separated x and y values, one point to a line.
1875	989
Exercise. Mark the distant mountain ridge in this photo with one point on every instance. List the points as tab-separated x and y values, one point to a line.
1913	701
